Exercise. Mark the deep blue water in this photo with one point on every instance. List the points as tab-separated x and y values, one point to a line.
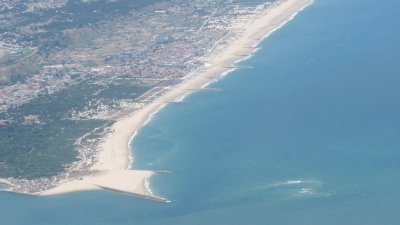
308	135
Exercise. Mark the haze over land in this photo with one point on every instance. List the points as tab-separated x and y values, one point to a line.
303	130
71	69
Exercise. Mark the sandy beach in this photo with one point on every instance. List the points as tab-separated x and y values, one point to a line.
113	161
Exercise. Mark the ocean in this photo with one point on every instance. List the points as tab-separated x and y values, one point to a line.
305	132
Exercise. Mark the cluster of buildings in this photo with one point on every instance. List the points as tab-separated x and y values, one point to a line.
156	46
31	4
172	39
10	49
40	84
31	186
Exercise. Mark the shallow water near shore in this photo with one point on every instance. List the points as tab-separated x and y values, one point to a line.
308	134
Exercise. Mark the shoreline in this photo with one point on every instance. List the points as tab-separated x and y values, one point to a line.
115	157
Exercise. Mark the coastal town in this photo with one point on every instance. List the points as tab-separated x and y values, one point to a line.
197	112
143	48
113	66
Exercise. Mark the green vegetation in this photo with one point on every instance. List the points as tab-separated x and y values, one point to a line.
9	59
18	66
38	138
33	149
122	91
37	150
66	63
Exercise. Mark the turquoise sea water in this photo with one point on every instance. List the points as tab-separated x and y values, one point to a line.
308	135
